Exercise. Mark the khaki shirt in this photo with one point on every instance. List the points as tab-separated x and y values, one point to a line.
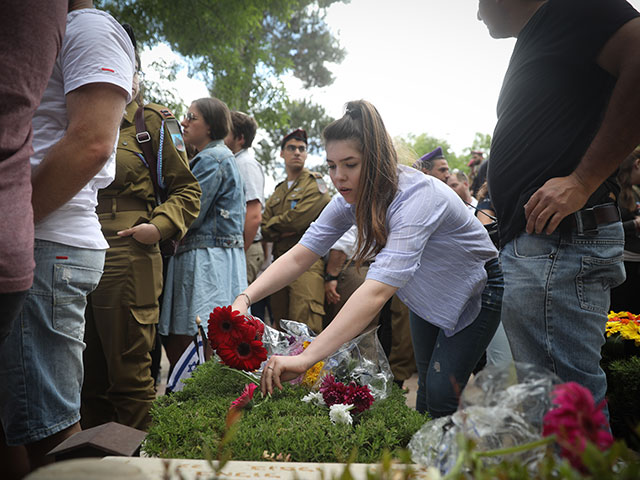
133	179
291	210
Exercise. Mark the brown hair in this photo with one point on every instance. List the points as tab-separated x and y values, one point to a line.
215	114
626	198
362	124
243	124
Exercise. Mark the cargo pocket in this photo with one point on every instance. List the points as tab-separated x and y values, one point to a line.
141	330
316	315
147	265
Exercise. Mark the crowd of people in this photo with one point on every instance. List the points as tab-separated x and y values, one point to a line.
122	225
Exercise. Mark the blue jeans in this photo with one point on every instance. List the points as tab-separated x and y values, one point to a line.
556	300
445	363
41	361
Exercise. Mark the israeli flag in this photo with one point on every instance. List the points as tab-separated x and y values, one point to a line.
190	359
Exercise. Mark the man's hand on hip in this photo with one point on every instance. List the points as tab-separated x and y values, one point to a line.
557	198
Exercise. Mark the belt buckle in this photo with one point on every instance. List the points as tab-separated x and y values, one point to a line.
143	137
586	223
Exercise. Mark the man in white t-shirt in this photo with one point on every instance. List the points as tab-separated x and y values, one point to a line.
239	140
75	131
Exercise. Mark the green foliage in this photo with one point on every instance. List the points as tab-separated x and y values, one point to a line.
414	146
623	387
189	423
153	92
241	49
298	114
482	141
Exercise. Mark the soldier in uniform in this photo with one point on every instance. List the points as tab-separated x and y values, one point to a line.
295	203
122	312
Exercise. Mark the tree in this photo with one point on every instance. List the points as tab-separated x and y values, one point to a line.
424	143
241	48
153	92
414	146
301	114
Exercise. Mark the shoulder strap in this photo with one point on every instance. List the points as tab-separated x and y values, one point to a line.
144	139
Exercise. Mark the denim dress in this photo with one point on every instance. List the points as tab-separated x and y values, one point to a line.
209	268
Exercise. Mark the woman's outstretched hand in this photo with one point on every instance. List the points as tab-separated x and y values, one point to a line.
281	369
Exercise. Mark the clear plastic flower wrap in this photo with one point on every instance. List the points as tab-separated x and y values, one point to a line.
361	360
501	407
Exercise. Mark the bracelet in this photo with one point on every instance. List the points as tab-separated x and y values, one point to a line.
248	298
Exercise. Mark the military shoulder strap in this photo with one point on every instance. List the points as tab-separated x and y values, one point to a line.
144	139
322	186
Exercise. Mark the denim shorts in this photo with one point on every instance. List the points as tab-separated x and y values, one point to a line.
41	362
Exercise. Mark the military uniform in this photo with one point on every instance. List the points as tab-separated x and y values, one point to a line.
122	312
287	215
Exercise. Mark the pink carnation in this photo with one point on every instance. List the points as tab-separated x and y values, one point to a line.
246	396
575	420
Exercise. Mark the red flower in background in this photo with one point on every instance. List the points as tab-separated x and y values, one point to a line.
245	353
225	326
575	420
257	323
244	398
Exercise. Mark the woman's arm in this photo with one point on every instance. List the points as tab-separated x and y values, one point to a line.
356	314
279	274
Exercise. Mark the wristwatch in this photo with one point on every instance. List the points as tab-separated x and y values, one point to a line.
328	277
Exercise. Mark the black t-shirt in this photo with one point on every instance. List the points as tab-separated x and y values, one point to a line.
552	101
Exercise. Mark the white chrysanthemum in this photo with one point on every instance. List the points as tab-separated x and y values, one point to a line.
339	413
315	398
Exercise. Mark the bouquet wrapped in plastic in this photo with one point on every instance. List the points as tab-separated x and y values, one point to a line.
361	360
247	342
501	407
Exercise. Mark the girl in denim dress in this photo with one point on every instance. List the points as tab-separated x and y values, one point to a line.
209	267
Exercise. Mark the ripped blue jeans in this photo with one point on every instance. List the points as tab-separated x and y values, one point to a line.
445	363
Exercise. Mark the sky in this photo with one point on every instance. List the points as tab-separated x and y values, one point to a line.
429	66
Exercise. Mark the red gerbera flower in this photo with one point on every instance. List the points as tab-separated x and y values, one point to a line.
247	353
225	326
257	323
575	420
246	396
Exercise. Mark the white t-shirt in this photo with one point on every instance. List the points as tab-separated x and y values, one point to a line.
95	49
474	204
251	173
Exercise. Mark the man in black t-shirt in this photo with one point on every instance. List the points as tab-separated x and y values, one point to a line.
567	117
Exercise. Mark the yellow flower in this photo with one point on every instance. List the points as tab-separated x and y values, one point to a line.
626	324
311	375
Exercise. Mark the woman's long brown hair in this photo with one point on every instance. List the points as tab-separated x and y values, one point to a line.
362	124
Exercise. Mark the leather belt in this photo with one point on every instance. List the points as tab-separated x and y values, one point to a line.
121	204
588	219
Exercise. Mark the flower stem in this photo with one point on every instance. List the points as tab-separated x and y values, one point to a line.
462	456
517	448
243	373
